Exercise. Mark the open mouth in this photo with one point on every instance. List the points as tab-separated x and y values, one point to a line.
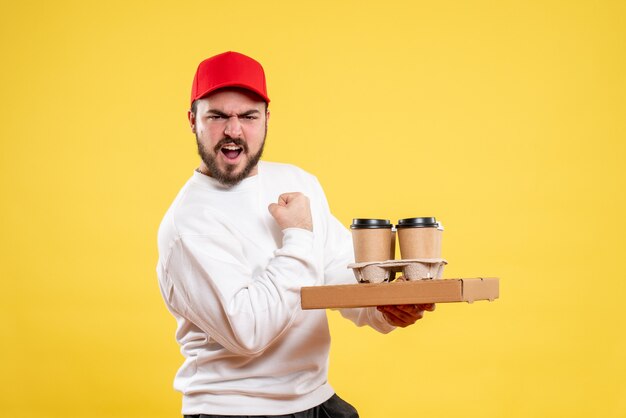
231	151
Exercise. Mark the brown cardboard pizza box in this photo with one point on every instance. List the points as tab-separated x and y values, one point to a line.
400	292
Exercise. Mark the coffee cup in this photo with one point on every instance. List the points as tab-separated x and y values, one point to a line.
374	241
419	238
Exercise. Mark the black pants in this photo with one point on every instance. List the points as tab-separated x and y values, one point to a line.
335	407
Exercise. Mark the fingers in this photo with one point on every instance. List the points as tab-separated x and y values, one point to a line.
405	315
427	307
401	318
292	210
410	309
285	198
395	320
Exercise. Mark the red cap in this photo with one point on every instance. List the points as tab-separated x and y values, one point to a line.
229	69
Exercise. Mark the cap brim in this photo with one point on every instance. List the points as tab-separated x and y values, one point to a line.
237	85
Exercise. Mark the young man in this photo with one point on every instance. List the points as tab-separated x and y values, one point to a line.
239	241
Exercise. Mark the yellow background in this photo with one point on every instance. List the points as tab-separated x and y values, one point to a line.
505	120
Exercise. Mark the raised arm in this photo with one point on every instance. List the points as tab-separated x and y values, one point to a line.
244	311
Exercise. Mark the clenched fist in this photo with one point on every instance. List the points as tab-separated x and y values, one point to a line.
292	211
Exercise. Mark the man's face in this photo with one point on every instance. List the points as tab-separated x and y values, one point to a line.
230	127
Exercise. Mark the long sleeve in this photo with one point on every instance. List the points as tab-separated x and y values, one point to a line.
339	253
232	280
207	282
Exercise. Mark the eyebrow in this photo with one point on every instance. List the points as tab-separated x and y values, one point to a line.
222	114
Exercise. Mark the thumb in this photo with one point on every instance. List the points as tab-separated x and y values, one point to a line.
273	207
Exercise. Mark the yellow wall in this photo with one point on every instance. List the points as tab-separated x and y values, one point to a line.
505	120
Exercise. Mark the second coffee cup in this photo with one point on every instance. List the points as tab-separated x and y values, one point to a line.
419	238
374	239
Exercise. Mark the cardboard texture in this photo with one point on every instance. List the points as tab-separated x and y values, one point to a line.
415	269
400	292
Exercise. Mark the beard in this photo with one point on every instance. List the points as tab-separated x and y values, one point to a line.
228	177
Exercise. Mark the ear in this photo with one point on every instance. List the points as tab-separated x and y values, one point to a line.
192	121
267	117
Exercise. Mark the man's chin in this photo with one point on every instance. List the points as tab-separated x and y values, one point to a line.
232	175
233	170
226	173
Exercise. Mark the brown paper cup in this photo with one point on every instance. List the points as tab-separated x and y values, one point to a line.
419	242
372	244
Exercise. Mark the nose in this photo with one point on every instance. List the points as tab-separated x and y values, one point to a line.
233	127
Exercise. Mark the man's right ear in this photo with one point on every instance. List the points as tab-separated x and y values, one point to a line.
192	120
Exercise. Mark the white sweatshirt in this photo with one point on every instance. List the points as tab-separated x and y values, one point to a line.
232	280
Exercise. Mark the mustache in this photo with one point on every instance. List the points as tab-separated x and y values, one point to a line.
236	141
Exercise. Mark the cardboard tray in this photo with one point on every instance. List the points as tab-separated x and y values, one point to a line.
400	293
